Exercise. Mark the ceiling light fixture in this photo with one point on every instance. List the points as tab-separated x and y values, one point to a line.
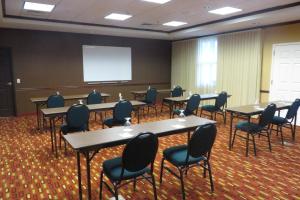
38	6
174	23
225	11
157	1
117	16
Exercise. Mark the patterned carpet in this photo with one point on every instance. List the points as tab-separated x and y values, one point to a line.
29	170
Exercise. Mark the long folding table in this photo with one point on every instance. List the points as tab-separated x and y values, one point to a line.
52	113
251	110
89	143
41	101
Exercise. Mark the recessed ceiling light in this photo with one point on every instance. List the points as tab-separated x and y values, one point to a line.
38	6
225	10
174	23
116	16
157	1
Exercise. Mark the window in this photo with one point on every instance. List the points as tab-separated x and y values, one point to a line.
206	69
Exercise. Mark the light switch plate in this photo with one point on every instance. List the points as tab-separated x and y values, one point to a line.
18	80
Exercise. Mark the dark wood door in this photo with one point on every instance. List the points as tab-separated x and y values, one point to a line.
6	84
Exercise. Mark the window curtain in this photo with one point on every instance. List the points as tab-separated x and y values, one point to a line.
239	66
194	64
184	61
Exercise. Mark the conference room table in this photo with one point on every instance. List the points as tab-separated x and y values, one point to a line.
52	113
41	101
248	111
89	143
172	101
141	93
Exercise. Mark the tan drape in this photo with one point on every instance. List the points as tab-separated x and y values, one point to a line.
239	66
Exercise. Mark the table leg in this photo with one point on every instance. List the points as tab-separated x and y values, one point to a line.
171	109
54	135
88	174
230	131
79	175
138	114
51	133
37	116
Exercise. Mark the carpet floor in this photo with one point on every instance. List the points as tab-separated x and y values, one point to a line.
29	169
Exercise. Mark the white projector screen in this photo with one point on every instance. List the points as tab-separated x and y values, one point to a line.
105	63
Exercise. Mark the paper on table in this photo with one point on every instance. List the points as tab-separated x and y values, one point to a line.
258	108
126	135
178	126
181	119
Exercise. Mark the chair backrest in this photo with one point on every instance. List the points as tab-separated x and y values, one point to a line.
122	110
192	104
221	100
267	115
177	92
202	140
94	98
140	152
292	112
151	95
78	116
55	101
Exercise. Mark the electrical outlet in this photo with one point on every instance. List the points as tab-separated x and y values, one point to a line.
18	80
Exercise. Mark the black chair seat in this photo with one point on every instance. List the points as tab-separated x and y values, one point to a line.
248	127
112	169
110	122
210	108
177	156
279	120
65	129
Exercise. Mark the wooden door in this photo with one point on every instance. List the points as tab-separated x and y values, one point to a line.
7	107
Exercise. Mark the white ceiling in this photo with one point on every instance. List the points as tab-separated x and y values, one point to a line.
87	16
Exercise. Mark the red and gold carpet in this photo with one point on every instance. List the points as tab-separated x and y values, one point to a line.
29	170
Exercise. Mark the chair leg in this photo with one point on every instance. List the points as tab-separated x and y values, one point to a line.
134	184
293	132
116	192
254	146
277	129
155	110
182	184
210	177
101	185
269	141
233	138
204	169
65	146
281	135
224	115
162	105
201	112
247	144
161	170
154	186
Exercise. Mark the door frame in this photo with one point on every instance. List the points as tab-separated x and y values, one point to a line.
11	70
273	61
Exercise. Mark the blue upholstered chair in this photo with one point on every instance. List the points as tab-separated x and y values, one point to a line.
95	98
195	153
55	101
262	128
150	99
218	108
135	164
77	119
191	106
176	92
122	110
287	120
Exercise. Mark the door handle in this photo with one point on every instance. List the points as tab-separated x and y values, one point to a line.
9	83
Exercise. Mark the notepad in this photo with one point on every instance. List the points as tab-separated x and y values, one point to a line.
126	135
181	120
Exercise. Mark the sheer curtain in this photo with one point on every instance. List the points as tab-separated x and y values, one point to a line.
194	64
207	49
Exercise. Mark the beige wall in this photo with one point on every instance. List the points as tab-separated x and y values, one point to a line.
275	35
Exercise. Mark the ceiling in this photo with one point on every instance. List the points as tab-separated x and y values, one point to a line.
87	16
